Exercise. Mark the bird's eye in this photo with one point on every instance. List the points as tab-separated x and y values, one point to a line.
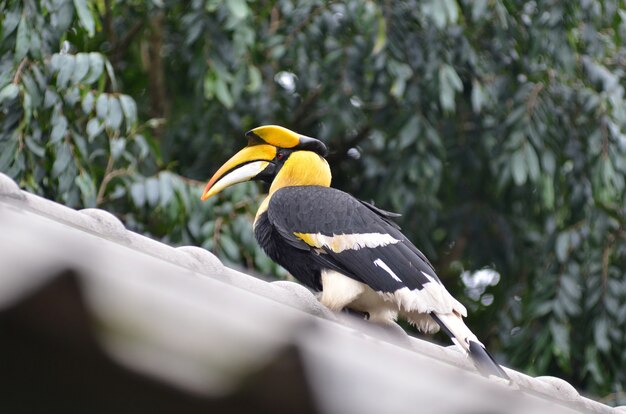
280	156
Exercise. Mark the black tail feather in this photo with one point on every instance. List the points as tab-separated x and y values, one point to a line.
484	362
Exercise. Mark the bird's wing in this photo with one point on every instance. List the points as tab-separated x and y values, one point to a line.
358	240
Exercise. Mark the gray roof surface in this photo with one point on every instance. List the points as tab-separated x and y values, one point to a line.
89	306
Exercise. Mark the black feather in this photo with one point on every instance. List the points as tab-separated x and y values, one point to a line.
484	362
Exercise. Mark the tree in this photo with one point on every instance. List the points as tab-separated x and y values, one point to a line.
496	128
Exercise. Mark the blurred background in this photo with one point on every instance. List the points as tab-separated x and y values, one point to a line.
496	127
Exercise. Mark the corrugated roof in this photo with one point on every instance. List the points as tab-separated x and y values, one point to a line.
95	318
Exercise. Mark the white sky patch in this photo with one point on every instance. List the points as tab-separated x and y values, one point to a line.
356	101
477	282
383	265
287	80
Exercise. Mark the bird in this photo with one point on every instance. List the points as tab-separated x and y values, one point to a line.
349	251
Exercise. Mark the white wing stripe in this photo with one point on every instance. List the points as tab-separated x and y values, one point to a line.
340	242
383	265
429	277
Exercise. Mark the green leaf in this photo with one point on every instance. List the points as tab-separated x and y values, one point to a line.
229	247
223	94
592	365
138	194
7	153
34	147
64	15
381	32
532	162
142	145
87	189
452	10
87	103
436	11
449	85
66	183
50	99
397	88
40	78
562	246
130	110
571	287
601	334
96	67
10	22
94	128
518	167
478	96
62	160
409	132
152	191
27	105
560	335
254	76
58	129
81	144
117	148
22	42
55	62
114	118
548	162
592	298
72	96
238	8
611	304
85	16
102	106
401	73
82	67
32	88
66	69
9	92
35	44
479	8
166	190
441	12
547	193
111	74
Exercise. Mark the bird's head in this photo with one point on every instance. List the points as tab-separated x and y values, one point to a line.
276	155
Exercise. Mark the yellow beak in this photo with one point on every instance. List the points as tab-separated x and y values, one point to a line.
243	166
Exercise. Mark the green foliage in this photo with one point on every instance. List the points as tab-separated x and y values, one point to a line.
69	135
497	128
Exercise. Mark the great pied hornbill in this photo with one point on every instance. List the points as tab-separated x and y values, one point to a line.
347	249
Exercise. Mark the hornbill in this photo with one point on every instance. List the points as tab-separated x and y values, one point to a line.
347	249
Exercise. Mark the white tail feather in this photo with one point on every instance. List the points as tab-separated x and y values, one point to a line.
455	325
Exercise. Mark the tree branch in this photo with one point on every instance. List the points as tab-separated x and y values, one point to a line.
18	72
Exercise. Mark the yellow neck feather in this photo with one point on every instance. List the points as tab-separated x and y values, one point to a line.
301	168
